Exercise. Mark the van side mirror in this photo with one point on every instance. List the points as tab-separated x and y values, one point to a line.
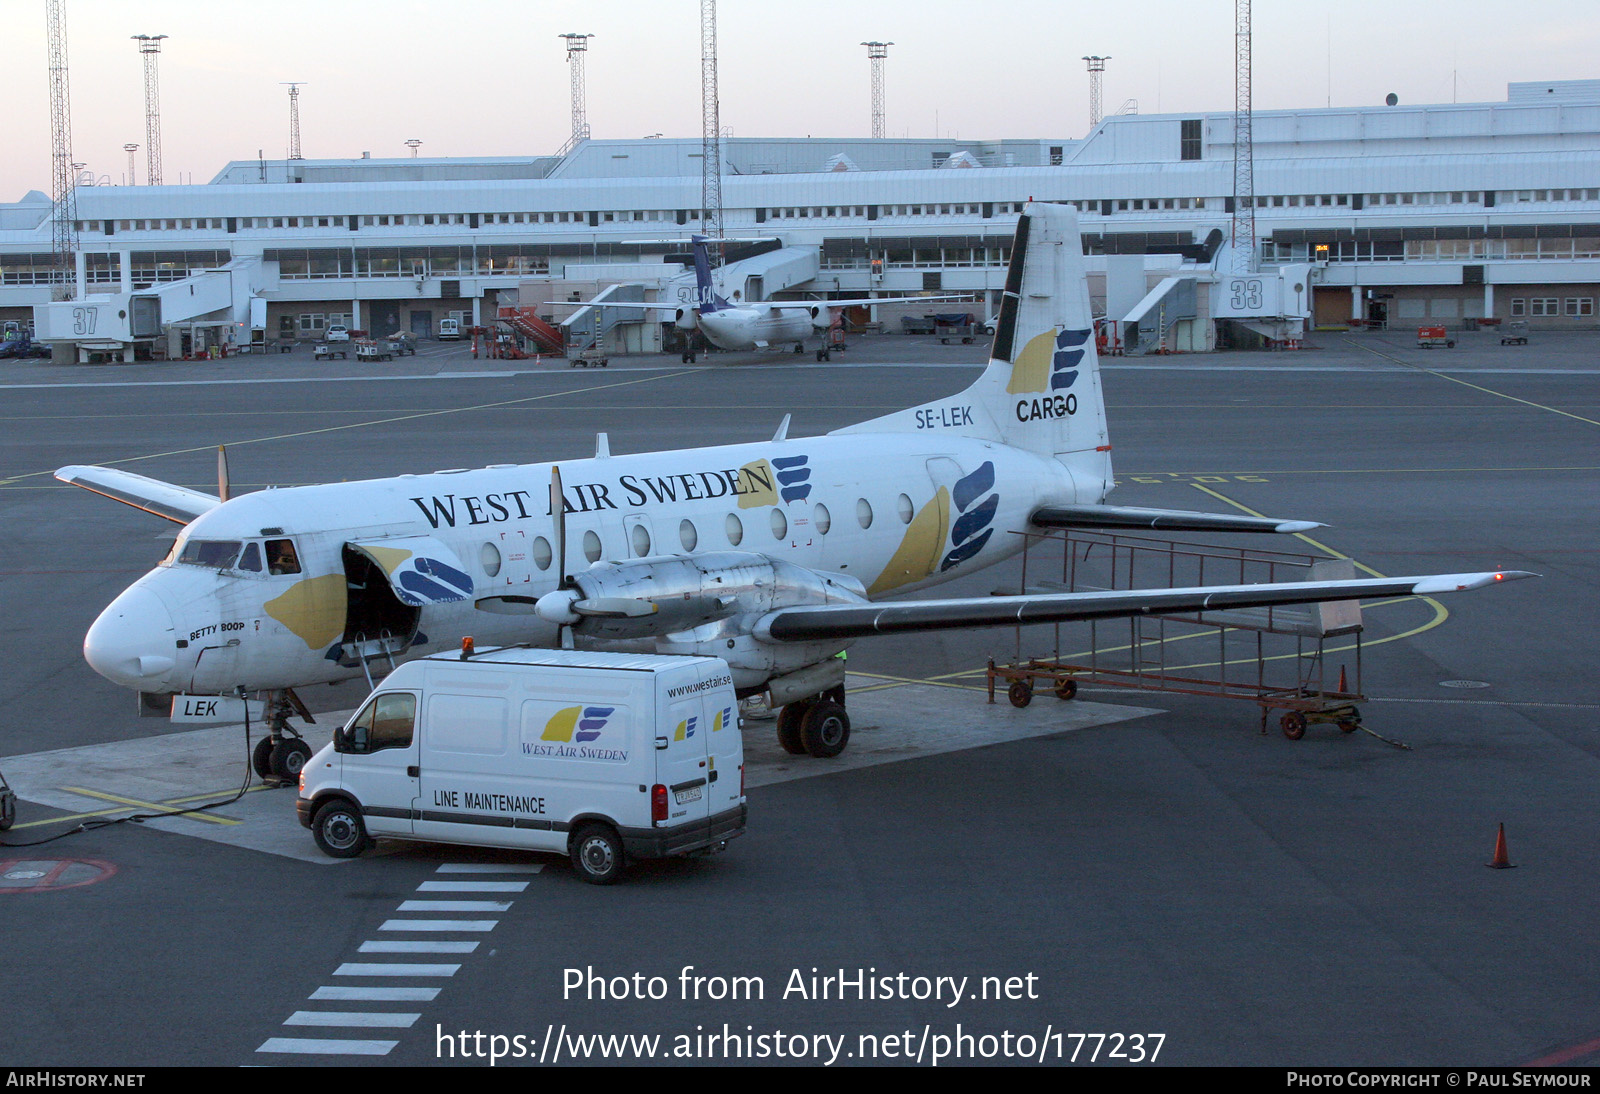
338	739
661	744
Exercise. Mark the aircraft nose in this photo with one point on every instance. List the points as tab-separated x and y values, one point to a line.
132	642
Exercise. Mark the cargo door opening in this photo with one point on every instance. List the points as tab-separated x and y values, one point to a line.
376	623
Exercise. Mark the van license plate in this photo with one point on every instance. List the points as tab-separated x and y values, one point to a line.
686	796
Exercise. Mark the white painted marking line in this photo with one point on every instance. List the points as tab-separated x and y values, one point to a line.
358	968
489	868
350	1018
472	886
418	947
329	993
319	1047
483	925
455	906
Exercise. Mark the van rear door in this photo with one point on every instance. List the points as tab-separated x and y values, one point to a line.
726	751
683	766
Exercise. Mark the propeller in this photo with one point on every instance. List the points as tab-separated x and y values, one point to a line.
224	490
558	526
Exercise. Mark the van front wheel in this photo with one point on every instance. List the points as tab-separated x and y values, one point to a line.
338	829
597	854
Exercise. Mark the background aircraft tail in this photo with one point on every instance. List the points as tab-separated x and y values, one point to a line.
1041	389
706	297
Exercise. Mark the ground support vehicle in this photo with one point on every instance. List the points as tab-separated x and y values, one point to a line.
1434	337
602	757
1278	658
1515	333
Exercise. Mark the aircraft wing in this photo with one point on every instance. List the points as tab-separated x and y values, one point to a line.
1166	520
806	624
862	302
176	503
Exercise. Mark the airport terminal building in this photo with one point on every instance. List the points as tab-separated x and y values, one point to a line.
1404	216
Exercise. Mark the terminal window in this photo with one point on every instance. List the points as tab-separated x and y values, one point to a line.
1189	139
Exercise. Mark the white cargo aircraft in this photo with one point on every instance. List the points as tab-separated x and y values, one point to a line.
750	326
771	555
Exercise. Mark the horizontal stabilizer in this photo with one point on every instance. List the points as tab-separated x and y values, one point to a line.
176	503
1163	520
832	621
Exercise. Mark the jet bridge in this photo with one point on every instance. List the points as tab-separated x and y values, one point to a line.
587	328
114	322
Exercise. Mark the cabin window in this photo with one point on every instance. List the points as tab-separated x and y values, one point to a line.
541	552
591	546
640	537
282	558
735	530
864	512
687	535
251	559
213	554
906	511
821	519
780	523
490	557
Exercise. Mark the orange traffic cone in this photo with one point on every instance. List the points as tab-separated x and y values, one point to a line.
1501	860
1343	689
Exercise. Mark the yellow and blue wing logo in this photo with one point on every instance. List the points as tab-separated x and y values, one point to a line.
577	724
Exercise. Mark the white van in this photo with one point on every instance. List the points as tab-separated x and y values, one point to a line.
600	756
449	330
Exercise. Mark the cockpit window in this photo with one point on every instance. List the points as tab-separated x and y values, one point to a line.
213	554
282	557
251	559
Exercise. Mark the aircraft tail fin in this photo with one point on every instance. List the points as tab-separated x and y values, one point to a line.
706	297
1041	389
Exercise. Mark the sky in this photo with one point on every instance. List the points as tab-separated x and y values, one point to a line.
489	77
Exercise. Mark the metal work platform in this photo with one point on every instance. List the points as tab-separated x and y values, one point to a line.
1275	657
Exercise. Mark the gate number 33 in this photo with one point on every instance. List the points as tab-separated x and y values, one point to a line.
1246	295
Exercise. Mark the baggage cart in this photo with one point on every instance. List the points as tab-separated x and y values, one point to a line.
1515	333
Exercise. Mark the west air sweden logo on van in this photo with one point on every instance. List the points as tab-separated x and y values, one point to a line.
572	733
577	724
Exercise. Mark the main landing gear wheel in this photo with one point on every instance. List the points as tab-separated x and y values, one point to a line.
8	809
688	358
825	729
289	755
338	829
789	729
1293	725
824	355
597	854
1020	693
261	758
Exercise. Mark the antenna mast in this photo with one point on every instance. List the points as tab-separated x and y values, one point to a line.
876	53
577	49
64	225
1097	67
294	118
150	48
711	125
1243	243
131	149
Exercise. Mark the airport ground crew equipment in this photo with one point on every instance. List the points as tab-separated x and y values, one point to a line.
1434	337
1278	658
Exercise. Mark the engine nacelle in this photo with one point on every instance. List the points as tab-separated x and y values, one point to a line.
704	605
822	315
686	318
